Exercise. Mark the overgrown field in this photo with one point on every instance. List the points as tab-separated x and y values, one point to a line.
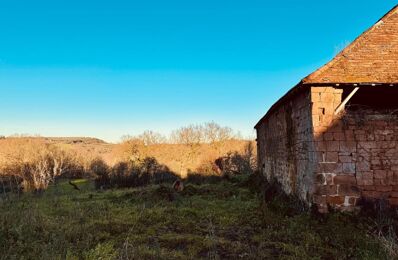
217	221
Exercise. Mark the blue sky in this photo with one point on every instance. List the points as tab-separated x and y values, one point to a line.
109	68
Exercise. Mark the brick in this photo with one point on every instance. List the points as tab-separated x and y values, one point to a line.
338	136
391	178
366	175
353	201
320	129
367	145
335	200
380	174
330	167
363	166
344	179
319	199
345	158
348	146
316	120
384	132
332	156
375	162
332	146
320	179
326	120
383	188
348	167
364	182
380	138
328	136
393	201
327	97
349	135
320	146
394	194
372	194
359	132
336	127
368	187
360	137
318	90
380	182
325	189
348	190
329	178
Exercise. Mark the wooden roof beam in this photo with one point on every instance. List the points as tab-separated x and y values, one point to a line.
345	101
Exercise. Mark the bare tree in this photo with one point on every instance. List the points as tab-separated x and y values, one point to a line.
213	133
151	138
189	135
35	161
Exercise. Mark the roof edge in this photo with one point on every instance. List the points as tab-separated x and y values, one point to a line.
312	78
282	100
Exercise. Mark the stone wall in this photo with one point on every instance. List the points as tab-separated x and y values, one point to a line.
326	159
285	147
357	153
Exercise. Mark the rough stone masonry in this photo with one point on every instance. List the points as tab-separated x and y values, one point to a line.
332	140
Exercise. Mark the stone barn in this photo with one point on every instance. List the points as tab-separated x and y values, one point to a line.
332	140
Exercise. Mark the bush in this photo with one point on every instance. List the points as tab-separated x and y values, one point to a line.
134	174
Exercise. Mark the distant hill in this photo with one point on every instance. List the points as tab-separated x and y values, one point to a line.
74	140
87	147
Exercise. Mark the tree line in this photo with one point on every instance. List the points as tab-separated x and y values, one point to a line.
210	132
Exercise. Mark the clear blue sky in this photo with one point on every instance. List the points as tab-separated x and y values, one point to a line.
109	68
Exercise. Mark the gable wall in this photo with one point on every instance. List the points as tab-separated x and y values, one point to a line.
357	153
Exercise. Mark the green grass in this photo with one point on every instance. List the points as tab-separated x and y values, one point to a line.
215	221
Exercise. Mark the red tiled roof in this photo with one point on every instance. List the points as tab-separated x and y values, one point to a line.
371	58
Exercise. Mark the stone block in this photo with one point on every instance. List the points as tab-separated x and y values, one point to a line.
363	166
319	199
328	136
345	179
348	146
393	201
394	194
348	190
332	146
332	156
329	167
372	194
325	190
335	200
383	188
380	174
339	136
349	168
345	158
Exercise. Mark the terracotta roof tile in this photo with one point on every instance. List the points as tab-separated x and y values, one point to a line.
371	58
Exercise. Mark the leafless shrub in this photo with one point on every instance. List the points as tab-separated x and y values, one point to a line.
35	162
